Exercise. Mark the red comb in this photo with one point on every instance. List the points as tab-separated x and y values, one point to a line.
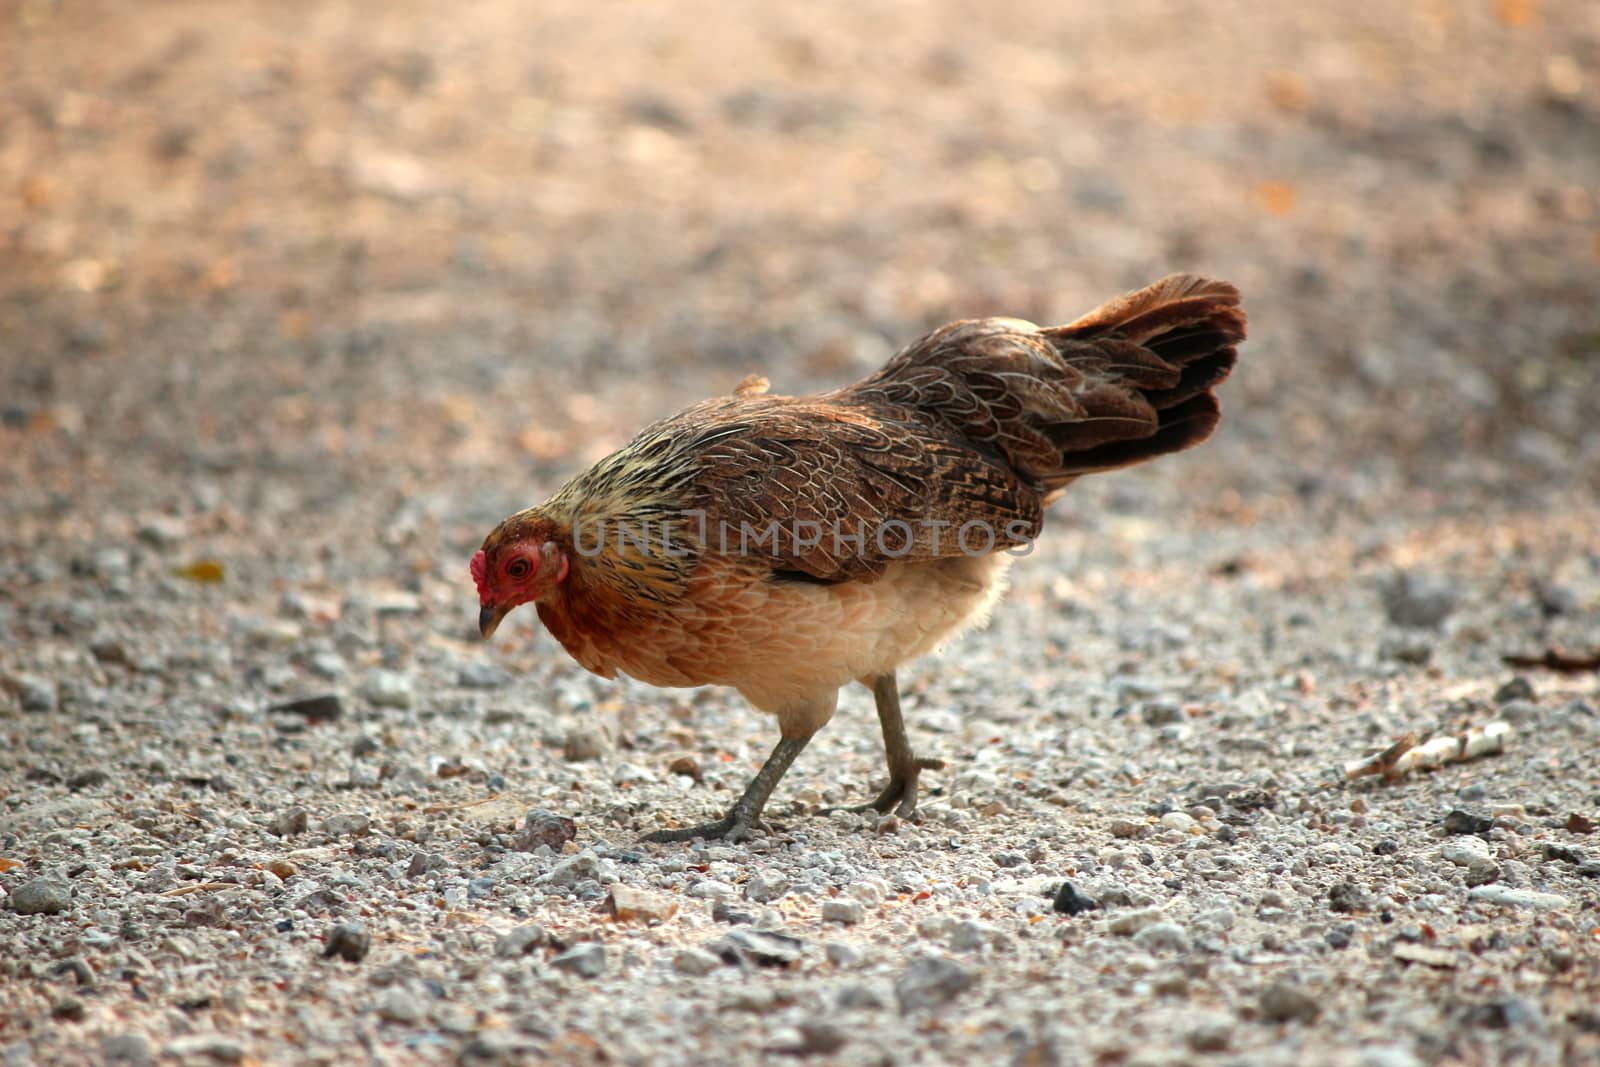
480	575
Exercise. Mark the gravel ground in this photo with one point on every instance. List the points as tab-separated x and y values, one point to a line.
297	300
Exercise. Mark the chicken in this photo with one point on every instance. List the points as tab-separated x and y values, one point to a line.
786	546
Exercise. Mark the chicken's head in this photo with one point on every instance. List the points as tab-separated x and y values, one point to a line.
515	566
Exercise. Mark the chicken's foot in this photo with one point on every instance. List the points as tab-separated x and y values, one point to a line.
905	766
746	811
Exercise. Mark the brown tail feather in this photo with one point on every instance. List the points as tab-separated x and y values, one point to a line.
1128	382
1192	326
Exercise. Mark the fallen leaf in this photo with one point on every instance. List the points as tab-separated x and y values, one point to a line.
201	570
1276	197
1517	12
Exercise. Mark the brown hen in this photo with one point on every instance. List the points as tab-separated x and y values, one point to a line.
787	546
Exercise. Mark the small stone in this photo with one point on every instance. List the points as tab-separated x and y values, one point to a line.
587	960
1131	922
34	694
389	689
346	824
970	935
1159	713
1503	1014
585	866
1283	1002
88	779
348	941
1505	896
1177	820
1068	901
765	886
848	912
1346	897
519	941
687	767
1407	648
475	674
329	665
281	867
1162	936
722	913
583	743
627	903
324	708
1465	851
932	982
1127	828
1521	712
1565	853
1518	688
1426	955
764	948
818	1038
70	1010
42	896
161	531
861	997
133	1049
214	1047
1579	823
289	822
695	961
1483	873
1465	822
1211	1033
1420	601
544	828
399	1006
843	954
422	863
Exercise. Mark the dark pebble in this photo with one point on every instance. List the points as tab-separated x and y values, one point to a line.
1565	853
1386	847
348	941
1347	897
1518	688
71	1010
1464	822
88	779
1503	1014
1282	1002
324	708
544	828
721	913
289	822
760	947
1068	901
1420	601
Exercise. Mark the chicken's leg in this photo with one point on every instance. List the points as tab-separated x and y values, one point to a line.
904	765
735	826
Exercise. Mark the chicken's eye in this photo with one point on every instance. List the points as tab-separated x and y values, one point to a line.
518	568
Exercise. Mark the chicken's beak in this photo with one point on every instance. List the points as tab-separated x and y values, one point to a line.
489	617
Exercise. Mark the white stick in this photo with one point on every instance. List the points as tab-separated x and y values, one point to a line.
1406	755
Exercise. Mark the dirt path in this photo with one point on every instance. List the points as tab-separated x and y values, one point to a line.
304	297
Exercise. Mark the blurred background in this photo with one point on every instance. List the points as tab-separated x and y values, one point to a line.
405	266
